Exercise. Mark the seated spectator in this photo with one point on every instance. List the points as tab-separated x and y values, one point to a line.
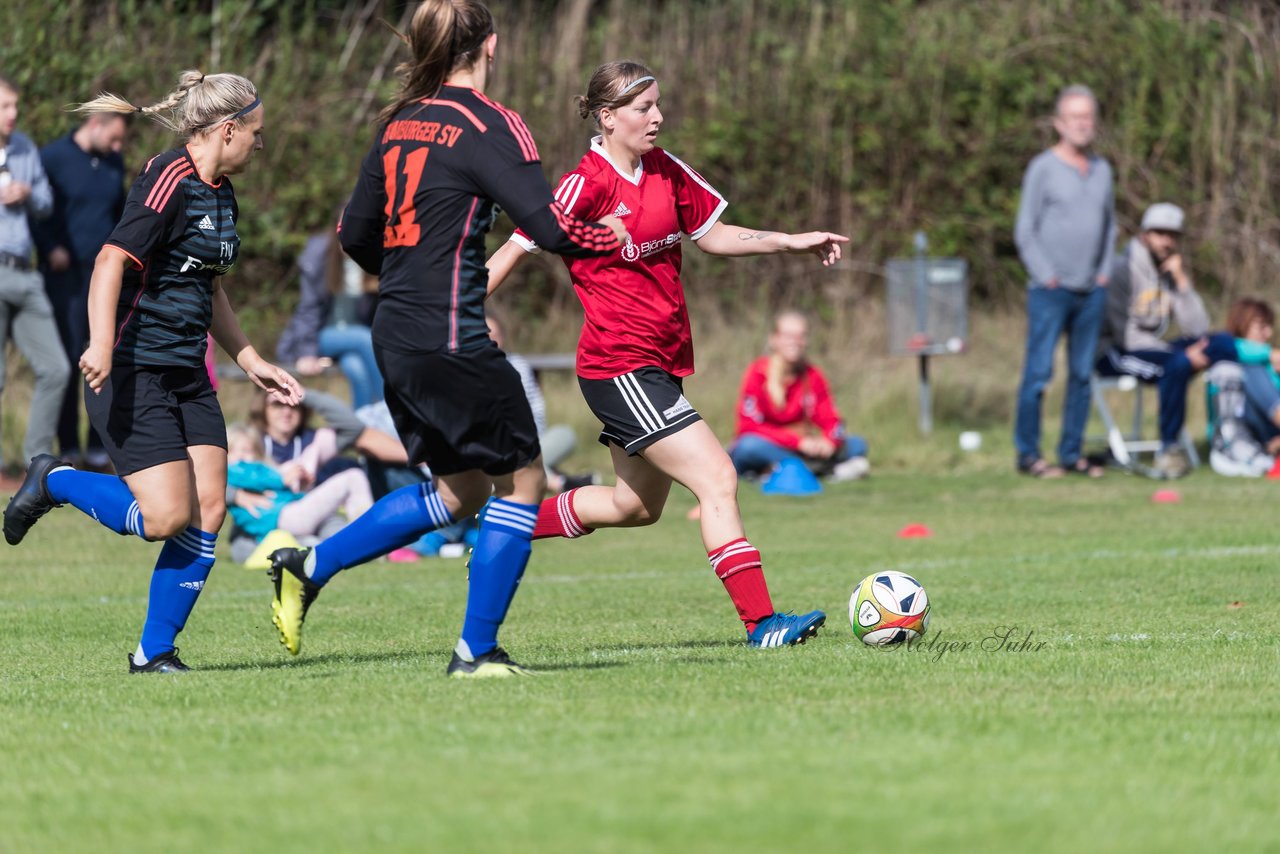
304	456
292	502
1246	404
785	410
1151	292
369	433
332	320
291	443
558	441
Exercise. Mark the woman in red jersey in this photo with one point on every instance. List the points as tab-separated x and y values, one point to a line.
636	345
786	411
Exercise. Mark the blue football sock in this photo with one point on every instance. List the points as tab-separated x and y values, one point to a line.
394	521
501	554
176	582
104	497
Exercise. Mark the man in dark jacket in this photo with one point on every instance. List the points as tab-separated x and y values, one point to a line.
86	173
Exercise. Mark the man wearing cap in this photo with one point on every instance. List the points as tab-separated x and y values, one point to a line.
1150	293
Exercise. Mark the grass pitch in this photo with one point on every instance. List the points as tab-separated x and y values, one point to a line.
1132	708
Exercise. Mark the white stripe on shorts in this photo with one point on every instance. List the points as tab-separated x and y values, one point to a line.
692	413
635	384
645	414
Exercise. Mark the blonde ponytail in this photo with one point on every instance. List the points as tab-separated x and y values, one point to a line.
199	102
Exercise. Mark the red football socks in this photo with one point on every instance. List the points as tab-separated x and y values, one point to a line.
737	564
557	519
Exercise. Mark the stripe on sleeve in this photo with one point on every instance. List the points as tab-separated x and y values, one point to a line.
470	116
528	148
165	174
588	235
169	180
694	175
569	190
702	229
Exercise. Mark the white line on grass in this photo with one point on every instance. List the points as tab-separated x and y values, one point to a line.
610	578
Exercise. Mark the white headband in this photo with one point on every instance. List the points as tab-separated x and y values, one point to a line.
636	83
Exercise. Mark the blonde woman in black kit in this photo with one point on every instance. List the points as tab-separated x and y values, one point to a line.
155	295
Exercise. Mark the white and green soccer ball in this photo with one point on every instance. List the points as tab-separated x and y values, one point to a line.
889	608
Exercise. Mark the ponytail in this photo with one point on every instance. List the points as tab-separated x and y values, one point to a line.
198	102
444	35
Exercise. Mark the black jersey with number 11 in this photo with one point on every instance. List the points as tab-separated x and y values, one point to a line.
428	192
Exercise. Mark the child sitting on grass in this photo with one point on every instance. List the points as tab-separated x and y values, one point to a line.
294	506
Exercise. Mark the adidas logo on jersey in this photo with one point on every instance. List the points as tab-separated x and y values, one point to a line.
622	210
205	224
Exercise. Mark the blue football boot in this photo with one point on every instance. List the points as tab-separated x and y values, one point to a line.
786	629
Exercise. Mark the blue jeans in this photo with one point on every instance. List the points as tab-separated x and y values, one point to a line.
1171	371
1051	312
1177	376
352	347
1261	401
754	454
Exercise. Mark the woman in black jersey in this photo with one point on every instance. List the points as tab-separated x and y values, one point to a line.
155	295
445	157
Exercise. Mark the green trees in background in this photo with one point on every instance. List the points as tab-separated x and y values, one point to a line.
876	118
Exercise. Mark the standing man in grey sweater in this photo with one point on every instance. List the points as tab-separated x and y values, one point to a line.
25	311
1065	234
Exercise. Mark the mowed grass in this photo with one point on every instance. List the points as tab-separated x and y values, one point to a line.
1146	721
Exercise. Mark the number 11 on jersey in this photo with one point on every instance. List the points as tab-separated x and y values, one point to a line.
402	227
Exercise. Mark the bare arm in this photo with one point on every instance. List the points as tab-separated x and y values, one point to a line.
502	263
227	332
731	240
382	446
104	293
508	257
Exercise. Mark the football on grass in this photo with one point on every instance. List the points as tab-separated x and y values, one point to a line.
889	608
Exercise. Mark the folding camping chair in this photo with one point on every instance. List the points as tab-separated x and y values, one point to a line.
1126	447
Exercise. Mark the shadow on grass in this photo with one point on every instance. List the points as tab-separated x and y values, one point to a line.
305	662
316	660
672	645
577	665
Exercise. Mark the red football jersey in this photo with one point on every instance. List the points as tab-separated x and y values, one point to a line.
632	298
806	401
